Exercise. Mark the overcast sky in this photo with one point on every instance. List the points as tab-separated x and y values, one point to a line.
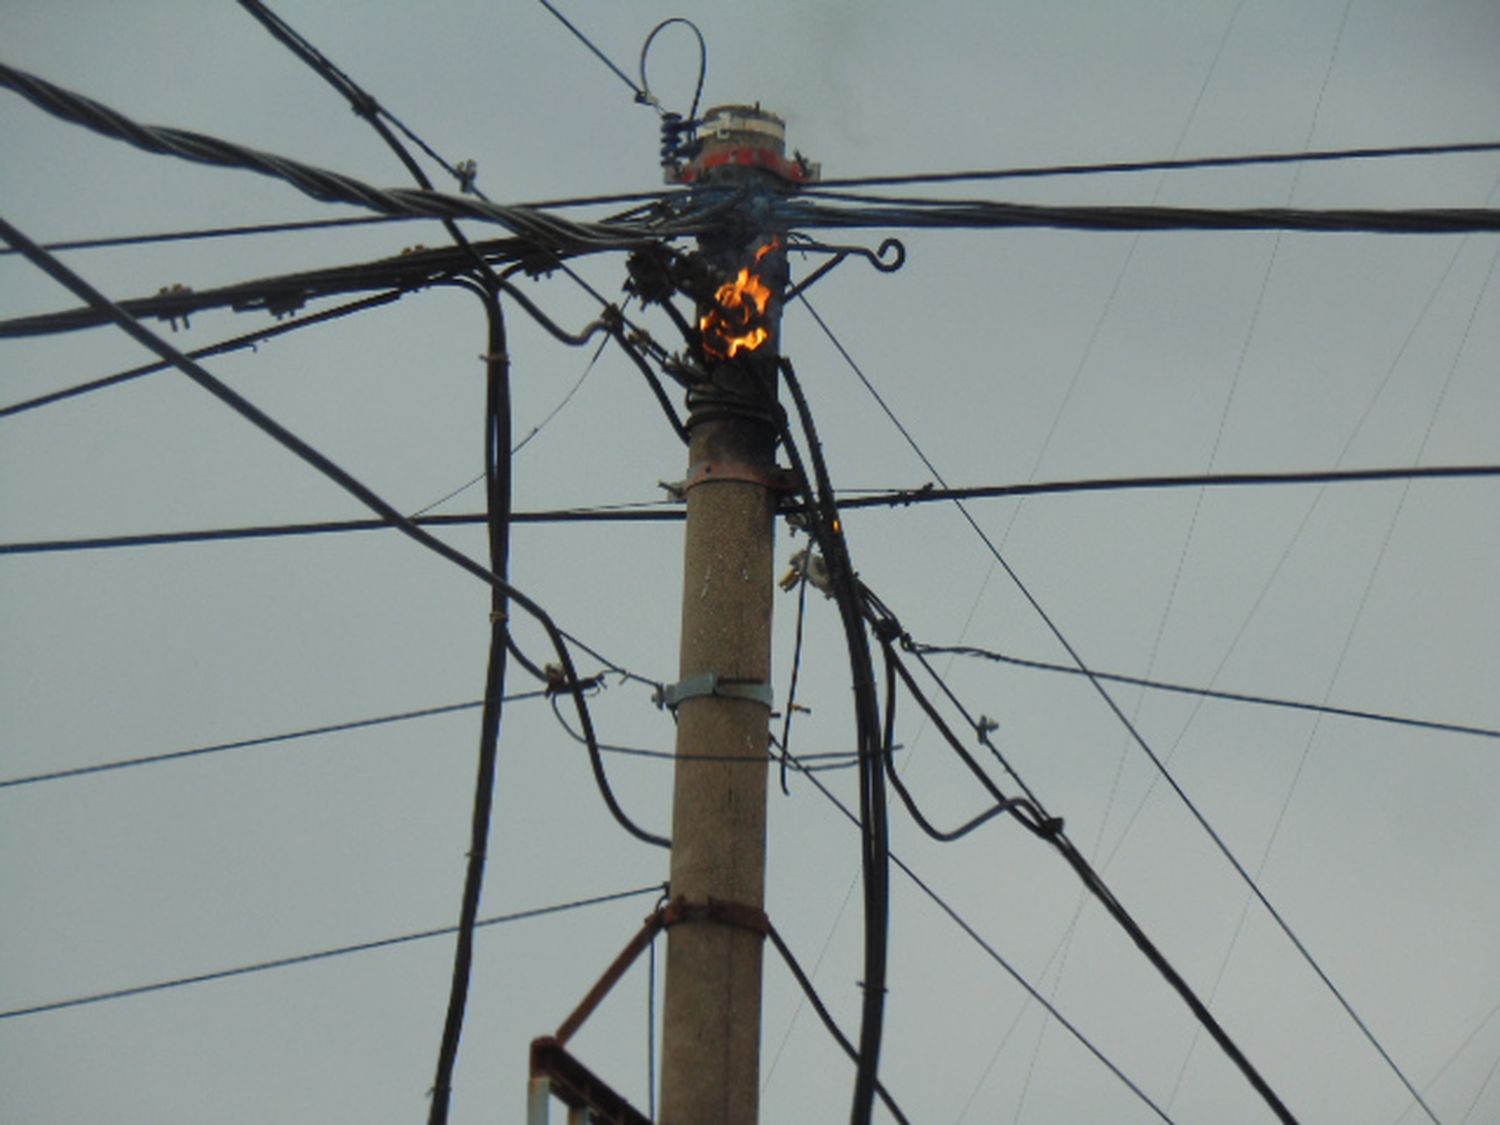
1009	356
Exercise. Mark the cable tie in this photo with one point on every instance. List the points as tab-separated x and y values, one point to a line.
497	616
986	725
493	357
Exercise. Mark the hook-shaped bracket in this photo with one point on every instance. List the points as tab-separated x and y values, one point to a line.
892	249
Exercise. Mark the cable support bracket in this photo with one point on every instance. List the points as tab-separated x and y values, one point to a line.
711	683
738	915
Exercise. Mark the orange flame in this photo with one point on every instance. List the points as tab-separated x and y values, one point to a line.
735	324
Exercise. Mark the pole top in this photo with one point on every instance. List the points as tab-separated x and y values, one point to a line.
742	136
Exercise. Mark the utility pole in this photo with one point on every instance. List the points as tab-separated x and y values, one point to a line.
712	1022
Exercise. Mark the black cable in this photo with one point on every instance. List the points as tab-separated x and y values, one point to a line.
994	955
1130	728
1176	163
937	214
1209	693
297	225
195	371
806	984
543	230
245	743
645	90
323	954
662	399
1033	816
248	339
498	490
826	529
640	94
930	495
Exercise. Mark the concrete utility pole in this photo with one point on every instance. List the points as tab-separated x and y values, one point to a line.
711	1024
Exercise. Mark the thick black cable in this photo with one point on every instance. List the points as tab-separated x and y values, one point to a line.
1208	693
806	984
1124	720
268	425
246	743
995	956
247	340
545	231
827	530
1173	164
616	330
1033	816
323	954
498	489
937	214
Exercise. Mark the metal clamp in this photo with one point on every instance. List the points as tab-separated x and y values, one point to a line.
775	478
709	683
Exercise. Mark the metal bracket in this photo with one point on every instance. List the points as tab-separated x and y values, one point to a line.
709	683
776	479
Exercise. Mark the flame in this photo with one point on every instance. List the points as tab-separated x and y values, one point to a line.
735	325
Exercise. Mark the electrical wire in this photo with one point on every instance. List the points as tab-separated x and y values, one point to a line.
247	340
640	94
994	955
245	743
1130	728
202	234
939	214
826	530
323	954
645	89
545	231
806	984
1209	693
284	437
1171	164
1034	817
498	492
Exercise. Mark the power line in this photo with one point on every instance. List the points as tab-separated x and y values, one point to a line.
245	743
670	512
1173	164
994	955
323	954
1209	693
50	265
1124	720
640	94
248	339
206	233
545	231
939	214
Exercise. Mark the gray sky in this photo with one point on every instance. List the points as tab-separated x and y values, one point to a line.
1009	356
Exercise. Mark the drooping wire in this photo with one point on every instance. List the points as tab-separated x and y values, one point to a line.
826	529
322	954
1130	728
1032	815
993	954
498	491
320	461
